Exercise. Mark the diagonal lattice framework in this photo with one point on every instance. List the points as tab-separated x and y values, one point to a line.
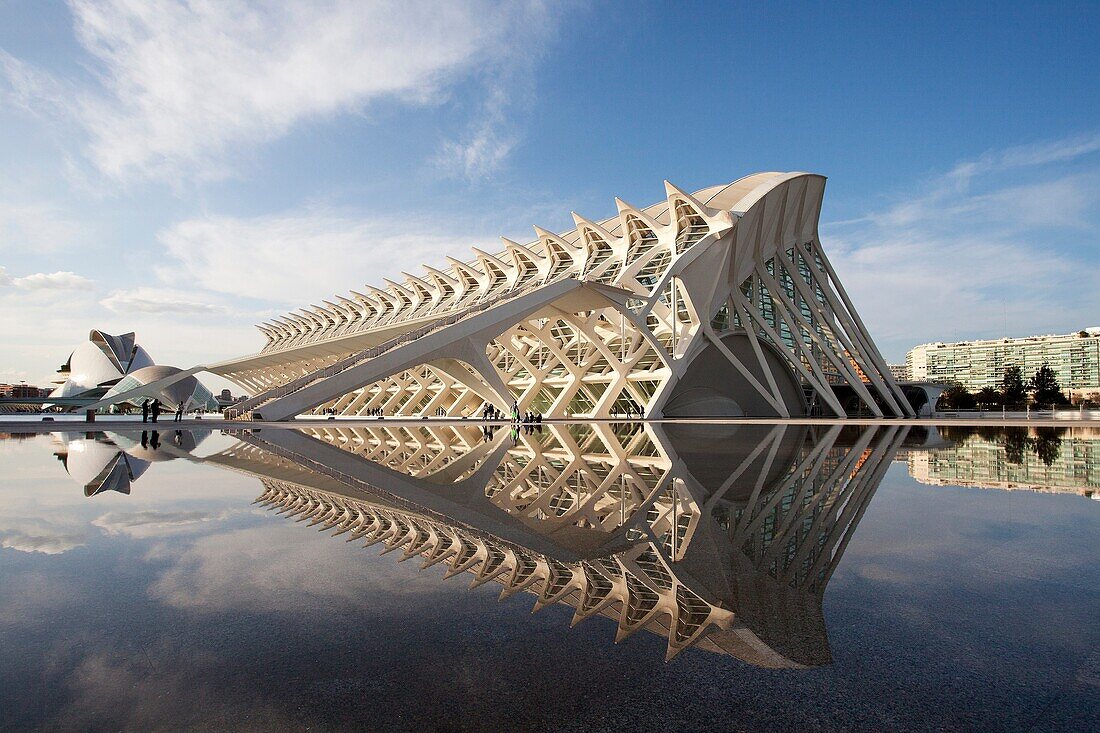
732	277
744	556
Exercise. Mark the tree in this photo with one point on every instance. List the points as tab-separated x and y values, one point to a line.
956	397
1047	444
1015	445
1046	387
989	396
1013	387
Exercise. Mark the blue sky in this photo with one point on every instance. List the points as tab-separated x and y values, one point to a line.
185	170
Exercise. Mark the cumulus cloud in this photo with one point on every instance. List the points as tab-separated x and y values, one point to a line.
47	538
994	244
183	85
46	281
274	568
152	523
300	256
157	300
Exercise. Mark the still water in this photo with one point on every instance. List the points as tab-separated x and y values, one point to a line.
684	577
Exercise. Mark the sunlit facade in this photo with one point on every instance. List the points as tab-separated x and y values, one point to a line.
718	302
1074	357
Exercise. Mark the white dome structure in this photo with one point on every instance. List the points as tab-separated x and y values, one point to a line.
99	363
109	366
188	391
103	462
96	463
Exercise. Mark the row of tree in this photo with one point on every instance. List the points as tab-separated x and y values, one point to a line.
1013	391
1045	443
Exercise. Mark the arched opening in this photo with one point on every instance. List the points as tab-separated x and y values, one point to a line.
714	387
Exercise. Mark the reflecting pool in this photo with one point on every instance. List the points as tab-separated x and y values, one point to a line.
717	577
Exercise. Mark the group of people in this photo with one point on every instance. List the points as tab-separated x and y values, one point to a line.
177	439
490	412
152	408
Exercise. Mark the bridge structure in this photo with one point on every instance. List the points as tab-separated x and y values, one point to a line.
718	539
720	302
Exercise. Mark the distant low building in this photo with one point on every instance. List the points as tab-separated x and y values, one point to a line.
22	391
1072	468
1074	357
900	371
225	399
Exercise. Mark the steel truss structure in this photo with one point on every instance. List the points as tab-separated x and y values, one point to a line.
721	302
724	541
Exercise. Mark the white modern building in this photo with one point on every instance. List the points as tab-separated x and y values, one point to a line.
117	370
1074	357
717	302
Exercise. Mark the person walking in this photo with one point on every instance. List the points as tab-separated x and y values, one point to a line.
145	411
155	409
179	412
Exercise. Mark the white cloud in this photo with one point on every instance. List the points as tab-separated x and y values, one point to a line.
273	567
159	300
185	85
478	155
29	88
46	281
996	244
41	536
153	523
1025	156
301	257
490	138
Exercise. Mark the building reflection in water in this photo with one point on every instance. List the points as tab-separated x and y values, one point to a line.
722	538
1053	460
109	461
718	537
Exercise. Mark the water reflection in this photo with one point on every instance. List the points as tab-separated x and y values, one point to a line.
1047	459
718	537
109	461
722	539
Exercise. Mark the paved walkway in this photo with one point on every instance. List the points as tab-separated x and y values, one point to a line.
67	423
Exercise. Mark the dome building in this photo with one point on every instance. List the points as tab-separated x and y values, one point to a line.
189	391
107	365
99	363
